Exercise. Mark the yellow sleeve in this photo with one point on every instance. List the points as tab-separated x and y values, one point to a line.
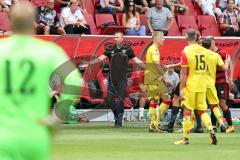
220	61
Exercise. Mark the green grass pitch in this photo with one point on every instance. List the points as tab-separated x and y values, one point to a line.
100	141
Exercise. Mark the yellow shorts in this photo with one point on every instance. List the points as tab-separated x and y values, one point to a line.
212	97
194	100
157	90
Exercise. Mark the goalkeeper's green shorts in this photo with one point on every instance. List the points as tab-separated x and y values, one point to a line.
26	144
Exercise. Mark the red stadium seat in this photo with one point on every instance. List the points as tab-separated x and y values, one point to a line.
208	26
174	30
119	18
96	3
103	19
4	22
39	2
89	7
91	23
193	9
143	20
185	23
57	7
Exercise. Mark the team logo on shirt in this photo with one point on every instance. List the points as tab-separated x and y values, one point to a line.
156	55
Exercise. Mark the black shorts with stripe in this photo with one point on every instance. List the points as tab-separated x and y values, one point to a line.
222	90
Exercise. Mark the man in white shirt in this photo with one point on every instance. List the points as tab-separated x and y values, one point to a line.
209	8
73	21
223	4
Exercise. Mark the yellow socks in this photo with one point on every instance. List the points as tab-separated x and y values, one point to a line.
187	124
206	120
217	114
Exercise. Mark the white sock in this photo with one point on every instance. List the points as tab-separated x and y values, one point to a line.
141	111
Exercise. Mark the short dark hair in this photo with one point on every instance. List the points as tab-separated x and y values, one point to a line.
211	37
206	43
230	0
192	35
119	32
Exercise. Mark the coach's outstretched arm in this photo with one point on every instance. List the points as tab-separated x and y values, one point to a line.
94	61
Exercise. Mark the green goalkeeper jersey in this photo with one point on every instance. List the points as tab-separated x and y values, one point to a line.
26	66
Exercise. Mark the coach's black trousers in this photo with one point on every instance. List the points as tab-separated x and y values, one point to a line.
116	89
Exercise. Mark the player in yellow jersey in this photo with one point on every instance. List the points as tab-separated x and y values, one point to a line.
155	82
193	86
215	61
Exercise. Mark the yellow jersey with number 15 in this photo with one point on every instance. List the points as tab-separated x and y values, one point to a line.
195	58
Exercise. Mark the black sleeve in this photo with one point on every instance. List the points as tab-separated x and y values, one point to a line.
109	49
107	53
130	53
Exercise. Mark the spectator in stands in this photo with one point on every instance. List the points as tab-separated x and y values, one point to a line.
151	3
73	21
230	20
223	4
131	20
177	6
109	6
47	20
173	79
237	3
9	3
140	5
3	6
209	8
66	3
160	18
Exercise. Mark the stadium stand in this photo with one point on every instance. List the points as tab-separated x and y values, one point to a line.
106	24
96	3
208	26
4	22
143	20
196	20
39	2
174	30
193	9
90	21
119	18
89	7
185	23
